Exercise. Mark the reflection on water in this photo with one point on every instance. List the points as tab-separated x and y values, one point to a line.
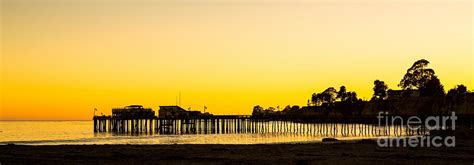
81	132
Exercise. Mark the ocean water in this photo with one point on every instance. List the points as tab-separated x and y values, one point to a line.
81	133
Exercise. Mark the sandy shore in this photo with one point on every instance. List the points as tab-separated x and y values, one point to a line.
315	153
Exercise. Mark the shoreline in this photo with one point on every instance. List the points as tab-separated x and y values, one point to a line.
362	151
322	140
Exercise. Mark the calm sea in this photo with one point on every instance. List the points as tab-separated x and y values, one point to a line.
81	132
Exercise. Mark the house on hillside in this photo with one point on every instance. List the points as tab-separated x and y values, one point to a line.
398	94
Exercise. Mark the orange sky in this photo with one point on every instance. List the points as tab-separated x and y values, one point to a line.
60	59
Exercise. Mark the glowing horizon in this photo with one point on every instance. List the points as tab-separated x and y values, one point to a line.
61	59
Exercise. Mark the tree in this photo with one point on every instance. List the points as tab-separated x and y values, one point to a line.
351	97
342	93
455	96
314	99
432	88
420	77
417	75
380	90
257	110
329	95
271	109
460	89
319	99
295	108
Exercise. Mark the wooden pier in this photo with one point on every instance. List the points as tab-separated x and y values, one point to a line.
229	124
135	119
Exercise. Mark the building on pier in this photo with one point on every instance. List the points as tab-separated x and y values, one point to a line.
133	112
178	112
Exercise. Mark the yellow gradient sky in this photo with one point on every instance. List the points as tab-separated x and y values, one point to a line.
60	59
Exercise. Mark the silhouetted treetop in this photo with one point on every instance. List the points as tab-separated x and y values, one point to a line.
329	95
462	89
380	90
342	93
432	88
257	110
420	77
459	89
351	97
417	75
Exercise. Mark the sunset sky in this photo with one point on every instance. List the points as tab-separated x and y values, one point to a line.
60	59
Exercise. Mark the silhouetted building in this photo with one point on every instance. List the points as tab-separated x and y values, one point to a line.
133	111
177	112
397	94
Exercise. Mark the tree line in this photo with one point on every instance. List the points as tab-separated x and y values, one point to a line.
419	77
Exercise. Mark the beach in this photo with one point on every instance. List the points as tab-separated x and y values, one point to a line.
339	152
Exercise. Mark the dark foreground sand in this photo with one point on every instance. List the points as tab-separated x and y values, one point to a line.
365	152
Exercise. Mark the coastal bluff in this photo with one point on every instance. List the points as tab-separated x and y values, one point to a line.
462	105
